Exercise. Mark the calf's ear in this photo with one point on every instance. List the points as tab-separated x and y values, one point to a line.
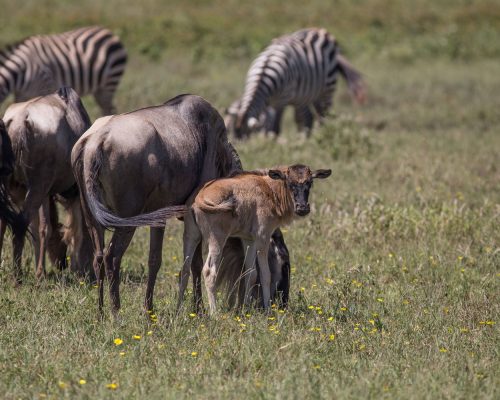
321	173
276	174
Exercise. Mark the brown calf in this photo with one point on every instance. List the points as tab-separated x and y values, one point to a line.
250	205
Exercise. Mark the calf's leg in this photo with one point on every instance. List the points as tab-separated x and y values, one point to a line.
214	258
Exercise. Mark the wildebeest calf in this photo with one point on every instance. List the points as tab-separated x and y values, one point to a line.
249	205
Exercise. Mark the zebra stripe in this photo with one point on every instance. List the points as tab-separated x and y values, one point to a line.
91	60
299	69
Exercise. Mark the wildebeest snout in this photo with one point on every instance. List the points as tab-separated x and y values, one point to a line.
302	209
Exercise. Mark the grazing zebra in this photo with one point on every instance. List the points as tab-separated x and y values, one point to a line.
90	60
299	69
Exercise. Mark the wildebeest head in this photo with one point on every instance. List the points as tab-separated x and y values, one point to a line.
299	179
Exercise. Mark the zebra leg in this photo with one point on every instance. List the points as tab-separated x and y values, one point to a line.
323	104
104	98
304	119
275	123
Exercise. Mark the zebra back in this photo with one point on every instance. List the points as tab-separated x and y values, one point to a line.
90	60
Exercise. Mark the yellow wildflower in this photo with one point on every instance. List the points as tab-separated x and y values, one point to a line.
331	337
117	341
122	353
112	386
82	381
136	337
443	350
150	333
194	353
62	385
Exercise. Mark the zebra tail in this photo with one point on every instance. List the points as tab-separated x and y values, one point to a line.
353	78
87	179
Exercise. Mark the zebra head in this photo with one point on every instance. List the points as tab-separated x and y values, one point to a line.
237	122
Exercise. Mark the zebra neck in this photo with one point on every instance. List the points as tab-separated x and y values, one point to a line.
254	104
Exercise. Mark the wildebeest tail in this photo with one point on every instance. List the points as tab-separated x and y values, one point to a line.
353	78
87	177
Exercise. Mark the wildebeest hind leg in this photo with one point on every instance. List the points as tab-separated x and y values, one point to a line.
154	263
44	232
112	260
191	241
196	267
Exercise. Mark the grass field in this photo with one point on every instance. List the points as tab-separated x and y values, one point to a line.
395	274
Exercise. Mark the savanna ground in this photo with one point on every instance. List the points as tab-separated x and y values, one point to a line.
395	274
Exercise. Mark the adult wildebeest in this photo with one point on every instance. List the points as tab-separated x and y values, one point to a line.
10	217
299	69
43	131
141	161
251	206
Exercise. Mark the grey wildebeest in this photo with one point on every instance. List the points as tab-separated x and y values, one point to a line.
43	131
166	153
10	217
251	206
141	162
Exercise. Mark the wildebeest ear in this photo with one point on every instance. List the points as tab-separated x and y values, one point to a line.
276	174
321	173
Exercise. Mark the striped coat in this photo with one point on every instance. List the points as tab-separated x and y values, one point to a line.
91	60
299	69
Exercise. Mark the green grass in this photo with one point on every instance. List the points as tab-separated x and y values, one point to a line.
399	259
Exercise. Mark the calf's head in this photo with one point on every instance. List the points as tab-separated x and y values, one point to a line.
299	180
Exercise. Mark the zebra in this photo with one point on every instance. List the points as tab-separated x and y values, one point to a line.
91	60
299	69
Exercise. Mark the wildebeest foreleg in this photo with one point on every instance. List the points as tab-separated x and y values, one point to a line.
112	260
154	263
